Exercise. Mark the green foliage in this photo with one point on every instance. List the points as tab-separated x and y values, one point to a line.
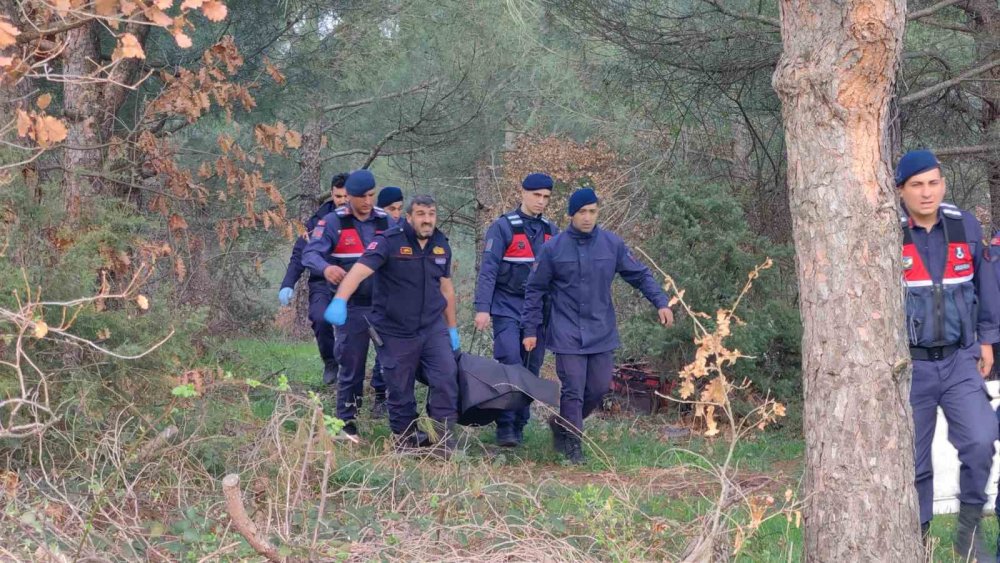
700	237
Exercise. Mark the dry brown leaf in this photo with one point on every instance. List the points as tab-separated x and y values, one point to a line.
23	123
8	33
191	4
6	62
62	7
43	101
176	223
293	139
157	16
142	302
273	71
164	4
106	7
214	10
41	329
49	130
183	41
128	7
128	48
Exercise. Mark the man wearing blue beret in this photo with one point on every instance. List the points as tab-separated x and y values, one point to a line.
336	243
951	323
390	199
575	270
510	247
319	291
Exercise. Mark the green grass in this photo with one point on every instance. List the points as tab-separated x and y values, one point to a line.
612	503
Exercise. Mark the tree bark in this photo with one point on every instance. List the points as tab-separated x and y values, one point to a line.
984	18
82	108
835	81
310	184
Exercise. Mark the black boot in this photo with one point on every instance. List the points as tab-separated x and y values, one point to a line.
506	437
968	537
925	532
574	450
448	444
351	428
558	436
411	441
330	370
378	407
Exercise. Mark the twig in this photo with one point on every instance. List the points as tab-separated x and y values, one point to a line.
244	525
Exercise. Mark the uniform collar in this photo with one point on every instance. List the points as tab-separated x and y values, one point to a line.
573	232
904	214
520	213
371	215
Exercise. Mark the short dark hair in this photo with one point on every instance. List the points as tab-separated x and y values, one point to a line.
425	200
338	180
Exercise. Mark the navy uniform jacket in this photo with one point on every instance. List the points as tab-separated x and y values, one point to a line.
500	285
407	295
933	251
576	270
318	253
295	267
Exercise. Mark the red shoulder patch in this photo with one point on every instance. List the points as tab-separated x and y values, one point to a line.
996	240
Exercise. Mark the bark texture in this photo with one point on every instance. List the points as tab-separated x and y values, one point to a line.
835	81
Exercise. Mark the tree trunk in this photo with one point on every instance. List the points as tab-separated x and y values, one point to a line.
835	81
82	107
311	184
985	24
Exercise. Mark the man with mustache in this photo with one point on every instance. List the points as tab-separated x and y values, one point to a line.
951	321
414	314
319	290
337	242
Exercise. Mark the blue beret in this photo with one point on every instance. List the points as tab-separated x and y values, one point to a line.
389	195
913	163
537	181
360	182
581	197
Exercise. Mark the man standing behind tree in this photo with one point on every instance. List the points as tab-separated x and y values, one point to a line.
319	291
511	244
575	270
951	321
337	242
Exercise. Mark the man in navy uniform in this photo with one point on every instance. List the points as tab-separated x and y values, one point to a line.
951	321
390	199
510	247
337	241
414	314
575	270
319	291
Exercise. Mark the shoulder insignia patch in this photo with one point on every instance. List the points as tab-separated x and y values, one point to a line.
405	250
438	250
373	245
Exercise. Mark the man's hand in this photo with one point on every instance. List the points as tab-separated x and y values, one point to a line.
456	342
986	361
285	295
529	343
666	316
334	274
482	321
336	312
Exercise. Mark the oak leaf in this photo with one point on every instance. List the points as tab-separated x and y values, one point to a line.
8	33
128	48
214	10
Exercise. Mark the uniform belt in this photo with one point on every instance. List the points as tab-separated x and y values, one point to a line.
936	353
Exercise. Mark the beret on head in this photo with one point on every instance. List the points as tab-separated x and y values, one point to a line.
580	198
537	181
913	163
360	182
389	195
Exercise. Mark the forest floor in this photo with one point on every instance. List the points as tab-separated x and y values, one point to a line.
639	497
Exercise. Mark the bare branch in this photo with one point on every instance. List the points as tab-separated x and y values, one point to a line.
244	525
366	101
718	5
967	150
942	86
917	14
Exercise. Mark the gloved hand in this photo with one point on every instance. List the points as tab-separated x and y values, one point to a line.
285	295
456	342
336	312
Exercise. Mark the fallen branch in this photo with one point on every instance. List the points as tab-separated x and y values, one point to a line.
244	525
157	443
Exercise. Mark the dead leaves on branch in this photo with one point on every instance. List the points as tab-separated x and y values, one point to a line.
43	129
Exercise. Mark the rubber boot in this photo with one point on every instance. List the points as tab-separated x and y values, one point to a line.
378	407
968	537
506	437
448	444
330	371
574	450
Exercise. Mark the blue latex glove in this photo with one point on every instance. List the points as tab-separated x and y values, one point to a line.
285	295
336	312
456	342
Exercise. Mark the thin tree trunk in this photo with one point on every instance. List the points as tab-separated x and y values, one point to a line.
82	107
985	23
311	184
835	81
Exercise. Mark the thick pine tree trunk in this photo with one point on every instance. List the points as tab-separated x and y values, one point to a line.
82	105
835	80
